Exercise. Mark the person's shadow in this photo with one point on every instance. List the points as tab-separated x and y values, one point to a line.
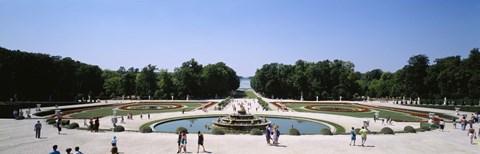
366	146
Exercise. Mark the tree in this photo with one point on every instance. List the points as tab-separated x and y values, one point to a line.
146	81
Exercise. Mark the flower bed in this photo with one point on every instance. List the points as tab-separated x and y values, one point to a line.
280	106
337	108
207	106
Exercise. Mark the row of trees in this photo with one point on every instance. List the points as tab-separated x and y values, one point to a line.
190	79
451	77
33	76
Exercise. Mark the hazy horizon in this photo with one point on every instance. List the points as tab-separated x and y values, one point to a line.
243	34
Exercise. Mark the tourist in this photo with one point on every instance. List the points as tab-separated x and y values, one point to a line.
15	113
85	122
277	134
114	150
55	150
454	123
383	122
471	134
442	124
179	140
183	111
28	113
274	135
183	142
122	120
363	133
37	128
91	126
148	114
97	124
114	141
200	142
353	137
77	150
463	123
141	116
68	150
267	134
58	126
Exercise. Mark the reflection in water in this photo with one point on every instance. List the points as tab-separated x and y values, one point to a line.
205	125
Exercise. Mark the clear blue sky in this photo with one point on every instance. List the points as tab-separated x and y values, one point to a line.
245	34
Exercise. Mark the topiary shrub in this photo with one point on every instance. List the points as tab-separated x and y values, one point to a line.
409	129
387	130
326	131
357	131
434	126
119	128
256	131
65	122
51	121
146	130
180	129
20	117
294	131
218	131
73	125
425	126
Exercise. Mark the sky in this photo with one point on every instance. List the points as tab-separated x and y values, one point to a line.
244	34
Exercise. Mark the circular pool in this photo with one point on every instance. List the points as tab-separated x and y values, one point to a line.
205	125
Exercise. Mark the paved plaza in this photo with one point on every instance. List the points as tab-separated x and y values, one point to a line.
17	136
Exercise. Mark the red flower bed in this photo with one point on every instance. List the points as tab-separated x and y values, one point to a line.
207	106
280	106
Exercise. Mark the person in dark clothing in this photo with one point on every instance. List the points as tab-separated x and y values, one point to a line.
37	128
97	124
200	141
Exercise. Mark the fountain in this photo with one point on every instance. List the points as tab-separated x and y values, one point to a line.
241	121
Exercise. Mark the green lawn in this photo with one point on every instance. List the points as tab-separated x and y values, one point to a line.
106	111
244	94
383	113
250	94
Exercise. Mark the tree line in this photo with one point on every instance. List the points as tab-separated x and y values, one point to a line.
451	77
28	76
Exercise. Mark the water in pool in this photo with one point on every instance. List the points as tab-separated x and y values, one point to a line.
199	124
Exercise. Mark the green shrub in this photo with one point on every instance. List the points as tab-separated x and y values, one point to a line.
180	129
20	117
119	128
294	131
387	130
146	130
51	121
357	131
326	131
424	126
434	126
256	131
73	125
65	122
218	131
409	129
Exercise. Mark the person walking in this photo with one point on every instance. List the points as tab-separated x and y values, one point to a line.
353	137
454	123
55	150
183	142
179	140
148	115
442	124
274	135
122	120
77	150
267	134
363	133
58	126
114	141
97	124
91	126
200	141
68	150
471	134
37	128
463	123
